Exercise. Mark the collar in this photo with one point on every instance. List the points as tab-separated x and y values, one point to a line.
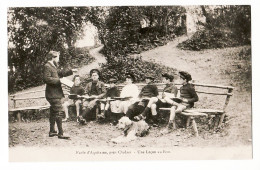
51	62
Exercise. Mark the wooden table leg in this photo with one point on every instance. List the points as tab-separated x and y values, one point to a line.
194	125
188	121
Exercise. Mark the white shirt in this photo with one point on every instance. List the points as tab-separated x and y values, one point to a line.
130	90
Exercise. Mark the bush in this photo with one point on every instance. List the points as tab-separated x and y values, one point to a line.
139	68
211	39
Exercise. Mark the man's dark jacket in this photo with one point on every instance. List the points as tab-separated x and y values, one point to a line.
51	77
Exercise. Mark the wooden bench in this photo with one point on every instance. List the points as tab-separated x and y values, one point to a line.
213	114
19	97
191	114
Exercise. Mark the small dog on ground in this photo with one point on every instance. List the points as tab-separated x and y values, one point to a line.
132	130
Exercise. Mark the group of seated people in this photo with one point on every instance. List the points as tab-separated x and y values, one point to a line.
130	102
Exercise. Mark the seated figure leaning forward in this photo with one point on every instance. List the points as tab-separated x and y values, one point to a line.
170	90
76	89
95	90
147	92
188	96
111	93
128	96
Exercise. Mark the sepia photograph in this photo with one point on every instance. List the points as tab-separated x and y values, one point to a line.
146	82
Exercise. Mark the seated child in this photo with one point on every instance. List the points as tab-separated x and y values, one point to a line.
112	92
129	90
75	89
95	89
147	92
161	101
188	96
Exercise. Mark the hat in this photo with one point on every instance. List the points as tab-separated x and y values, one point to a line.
131	76
112	80
168	76
149	76
185	75
94	71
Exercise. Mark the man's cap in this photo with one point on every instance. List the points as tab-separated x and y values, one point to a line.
168	76
185	75
94	71
131	76
112	80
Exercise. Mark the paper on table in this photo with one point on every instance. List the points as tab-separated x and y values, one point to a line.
66	82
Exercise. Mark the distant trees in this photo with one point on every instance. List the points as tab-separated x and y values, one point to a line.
225	26
128	28
33	32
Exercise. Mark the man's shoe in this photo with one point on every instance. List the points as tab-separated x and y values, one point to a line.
52	134
63	137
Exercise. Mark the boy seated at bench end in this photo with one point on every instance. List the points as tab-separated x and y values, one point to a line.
188	96
75	89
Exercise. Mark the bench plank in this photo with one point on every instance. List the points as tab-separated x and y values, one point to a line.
193	113
205	110
30	108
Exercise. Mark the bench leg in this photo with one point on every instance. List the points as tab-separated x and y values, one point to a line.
19	116
211	122
194	125
221	120
188	121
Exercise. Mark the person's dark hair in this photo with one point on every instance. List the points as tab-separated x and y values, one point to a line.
168	76
185	75
75	77
131	76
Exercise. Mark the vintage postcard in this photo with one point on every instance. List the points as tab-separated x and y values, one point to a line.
142	82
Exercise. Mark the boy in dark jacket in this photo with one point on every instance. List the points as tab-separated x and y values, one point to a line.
76	89
163	101
110	106
94	89
188	96
54	93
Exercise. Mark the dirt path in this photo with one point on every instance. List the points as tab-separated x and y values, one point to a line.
99	58
218	66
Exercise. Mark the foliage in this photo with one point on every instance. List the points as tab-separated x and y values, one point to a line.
33	33
131	30
226	26
209	39
136	66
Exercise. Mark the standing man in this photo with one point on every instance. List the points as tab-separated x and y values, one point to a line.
54	93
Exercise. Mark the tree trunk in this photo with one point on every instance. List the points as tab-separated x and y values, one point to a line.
208	18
